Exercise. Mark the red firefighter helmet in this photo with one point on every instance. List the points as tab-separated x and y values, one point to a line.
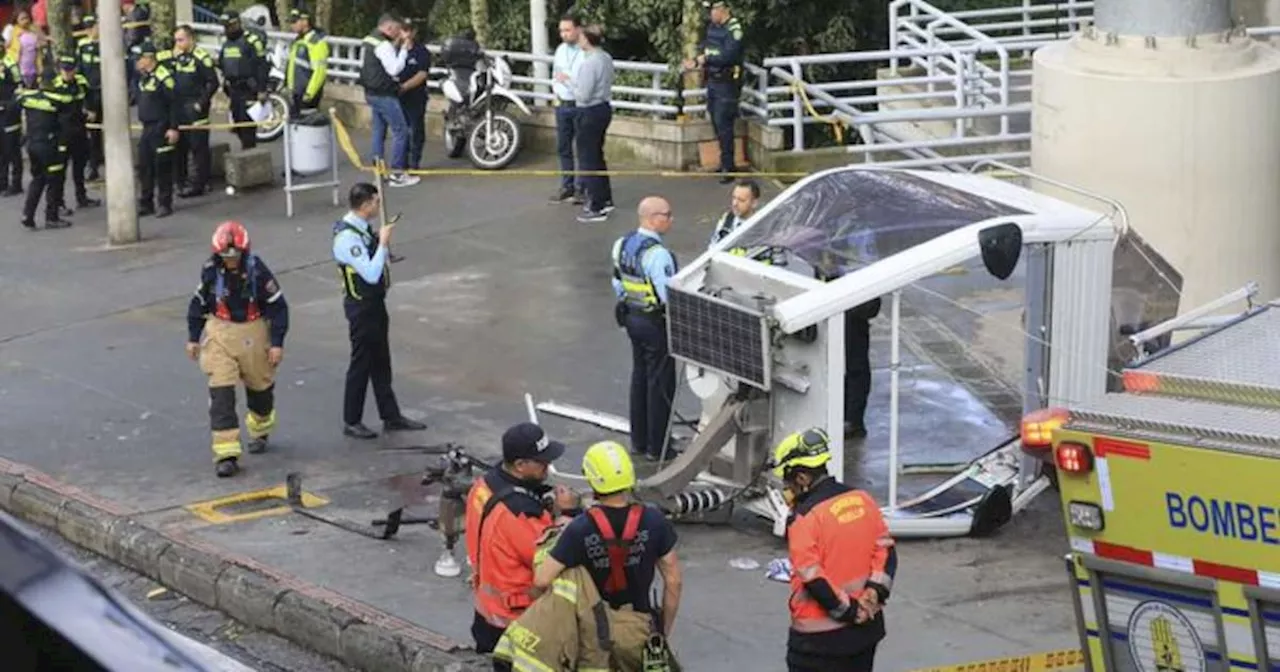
230	239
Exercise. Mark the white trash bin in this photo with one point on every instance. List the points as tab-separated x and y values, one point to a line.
310	144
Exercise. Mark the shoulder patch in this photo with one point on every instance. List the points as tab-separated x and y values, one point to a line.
357	251
669	270
736	31
271	287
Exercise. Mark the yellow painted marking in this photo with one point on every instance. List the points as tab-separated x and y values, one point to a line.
208	511
1034	662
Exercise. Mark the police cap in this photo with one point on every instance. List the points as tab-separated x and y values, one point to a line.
717	4
296	15
229	18
147	48
527	441
89	20
67	62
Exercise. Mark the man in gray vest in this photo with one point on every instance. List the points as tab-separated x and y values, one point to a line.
384	59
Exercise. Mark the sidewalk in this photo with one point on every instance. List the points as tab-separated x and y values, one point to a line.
499	294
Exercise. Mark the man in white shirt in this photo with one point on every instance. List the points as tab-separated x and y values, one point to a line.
564	68
384	59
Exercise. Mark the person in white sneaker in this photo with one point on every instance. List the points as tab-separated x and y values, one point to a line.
384	59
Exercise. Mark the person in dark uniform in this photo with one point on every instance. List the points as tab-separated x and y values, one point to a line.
857	366
413	92
75	134
158	112
11	133
135	12
363	260
720	56
642	266
90	58
243	62
195	83
44	110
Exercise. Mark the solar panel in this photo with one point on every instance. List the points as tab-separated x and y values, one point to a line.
715	334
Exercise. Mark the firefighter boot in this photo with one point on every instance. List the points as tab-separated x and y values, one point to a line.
227	468
257	445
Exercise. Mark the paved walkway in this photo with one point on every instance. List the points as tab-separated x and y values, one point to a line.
500	294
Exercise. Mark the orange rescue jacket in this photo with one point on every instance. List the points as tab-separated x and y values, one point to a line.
504	520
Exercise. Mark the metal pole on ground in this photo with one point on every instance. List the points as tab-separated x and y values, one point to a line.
895	366
121	192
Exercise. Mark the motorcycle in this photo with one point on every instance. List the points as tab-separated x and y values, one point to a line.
277	102
477	120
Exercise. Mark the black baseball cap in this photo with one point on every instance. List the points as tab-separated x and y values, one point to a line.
67	62
527	441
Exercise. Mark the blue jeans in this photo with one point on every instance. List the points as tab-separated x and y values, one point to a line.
387	114
566	131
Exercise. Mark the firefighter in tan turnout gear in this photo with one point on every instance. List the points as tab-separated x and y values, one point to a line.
236	325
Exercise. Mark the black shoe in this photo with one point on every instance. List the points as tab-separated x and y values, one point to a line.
578	198
227	468
64	211
29	224
403	424
725	178
608	207
87	202
145	209
93	176
394	258
56	223
852	431
164	211
258	445
191	192
564	196
359	431
590	216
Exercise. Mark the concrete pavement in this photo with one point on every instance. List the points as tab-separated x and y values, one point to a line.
500	294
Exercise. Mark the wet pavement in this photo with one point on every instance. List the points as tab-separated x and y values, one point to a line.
499	294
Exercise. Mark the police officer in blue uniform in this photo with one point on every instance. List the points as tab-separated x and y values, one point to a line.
75	136
158	110
363	257
642	267
720	56
45	110
89	56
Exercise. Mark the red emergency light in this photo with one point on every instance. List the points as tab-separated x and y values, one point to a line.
1139	382
1038	426
1073	458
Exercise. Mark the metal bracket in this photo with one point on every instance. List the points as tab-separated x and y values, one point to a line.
293	494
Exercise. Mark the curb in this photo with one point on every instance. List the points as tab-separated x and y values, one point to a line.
248	591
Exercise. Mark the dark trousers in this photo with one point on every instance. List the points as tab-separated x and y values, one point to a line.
193	154
155	174
593	123
566	132
857	371
47	160
97	155
77	158
653	383
415	113
11	150
722	107
367	326
809	662
241	97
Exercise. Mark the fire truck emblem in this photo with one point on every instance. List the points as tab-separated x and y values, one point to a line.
1163	639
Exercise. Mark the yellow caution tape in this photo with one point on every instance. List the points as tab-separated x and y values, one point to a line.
204	127
123	26
837	125
1034	662
353	155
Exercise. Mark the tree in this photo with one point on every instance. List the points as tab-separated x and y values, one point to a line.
162	19
323	12
59	16
480	21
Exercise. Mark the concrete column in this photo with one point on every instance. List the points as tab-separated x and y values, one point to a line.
122	204
183	11
538	33
1162	18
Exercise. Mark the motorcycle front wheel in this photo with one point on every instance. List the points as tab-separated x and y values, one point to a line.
494	143
274	126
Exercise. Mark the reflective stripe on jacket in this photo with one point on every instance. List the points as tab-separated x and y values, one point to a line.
628	264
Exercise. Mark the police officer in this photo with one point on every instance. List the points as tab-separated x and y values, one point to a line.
842	561
720	56
158	111
90	58
236	324
195	83
45	112
505	516
243	62
642	266
742	206
362	256
604	540
10	127
308	63
75	134
136	12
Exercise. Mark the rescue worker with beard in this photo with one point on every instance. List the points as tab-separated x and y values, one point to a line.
75	134
505	516
195	83
158	112
744	201
11	135
236	324
245	70
308	63
90	58
44	114
842	561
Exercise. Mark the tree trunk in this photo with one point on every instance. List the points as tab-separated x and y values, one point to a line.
59	14
480	21
282	15
324	13
690	36
162	20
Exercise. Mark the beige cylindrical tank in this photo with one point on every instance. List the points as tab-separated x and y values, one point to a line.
1184	132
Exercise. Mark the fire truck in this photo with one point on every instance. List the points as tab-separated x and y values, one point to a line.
1170	491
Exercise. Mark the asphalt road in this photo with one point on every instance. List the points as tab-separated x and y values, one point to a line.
256	649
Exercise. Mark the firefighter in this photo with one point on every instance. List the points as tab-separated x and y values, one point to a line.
75	137
245	74
308	63
44	112
90	58
604	540
195	81
158	112
721	59
842	561
11	135
236	324
505	516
